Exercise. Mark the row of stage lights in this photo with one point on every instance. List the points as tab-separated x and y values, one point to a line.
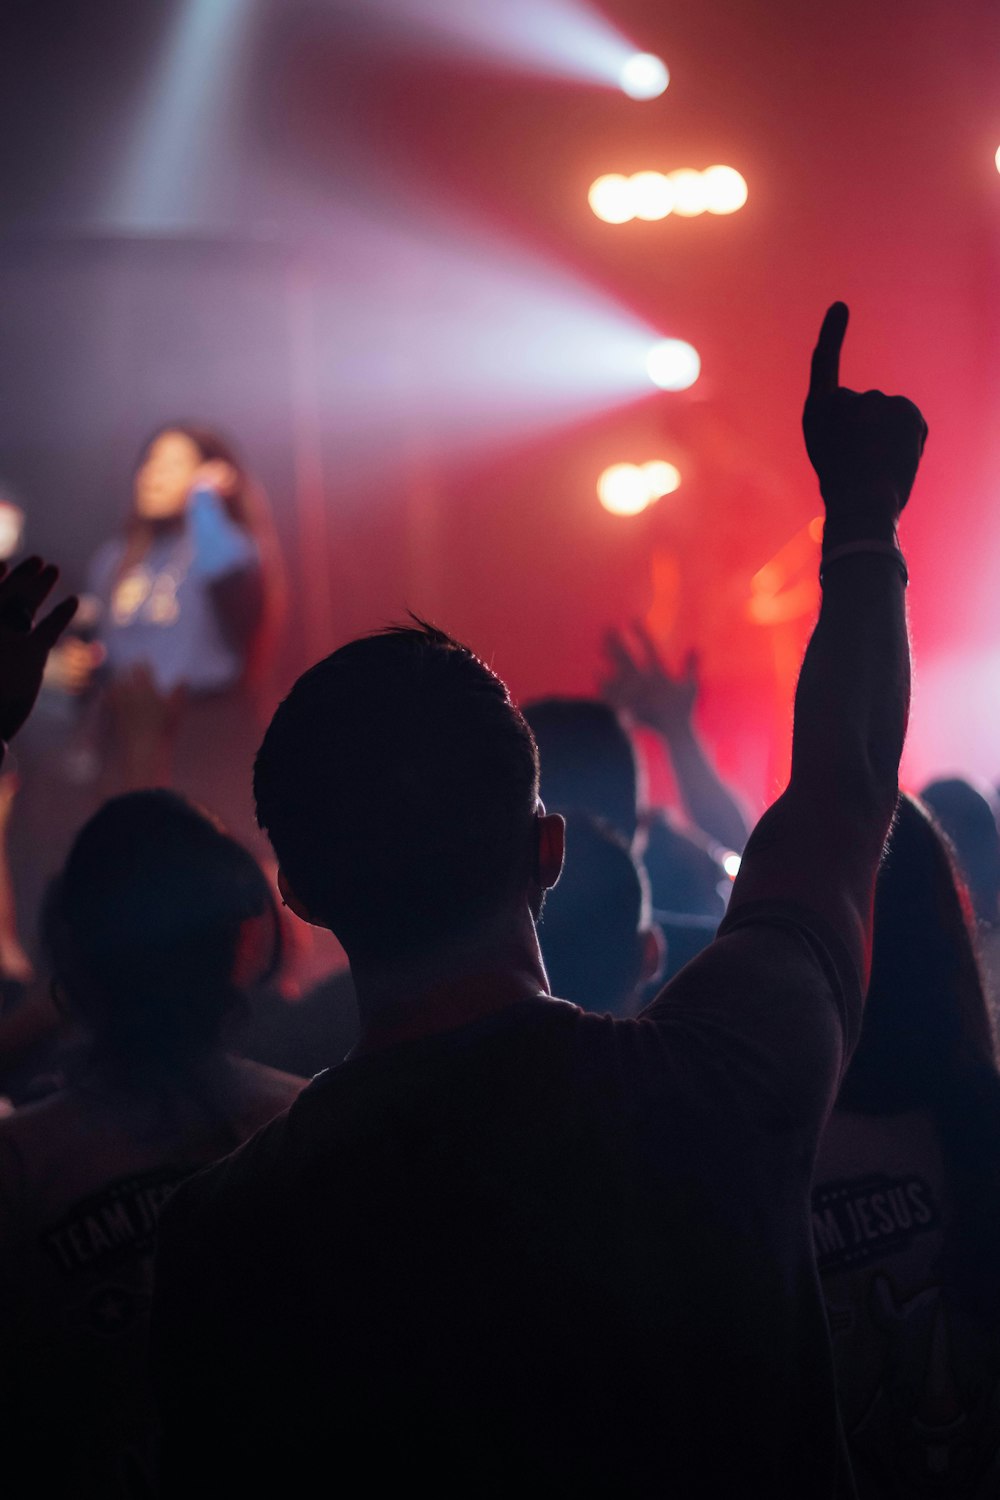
627	489
653	195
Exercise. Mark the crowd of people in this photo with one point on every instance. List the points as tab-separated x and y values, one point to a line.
618	1175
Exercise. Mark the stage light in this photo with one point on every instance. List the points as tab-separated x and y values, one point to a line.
611	197
178	146
644	76
551	38
725	190
627	489
662	478
997	158
690	194
731	864
500	345
623	489
651	195
673	365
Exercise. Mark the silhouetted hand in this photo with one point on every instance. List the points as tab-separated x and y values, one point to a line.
642	685
864	447
24	646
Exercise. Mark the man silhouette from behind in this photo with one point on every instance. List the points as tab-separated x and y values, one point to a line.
508	1247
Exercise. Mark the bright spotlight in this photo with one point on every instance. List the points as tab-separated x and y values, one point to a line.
662	478
673	365
623	489
644	76
731	864
612	199
690	194
997	158
725	190
652	195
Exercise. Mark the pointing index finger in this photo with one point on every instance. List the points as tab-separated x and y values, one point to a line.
824	376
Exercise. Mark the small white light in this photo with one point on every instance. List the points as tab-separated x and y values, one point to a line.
731	864
652	195
612	199
623	490
662	478
690	195
673	365
997	158
725	190
644	76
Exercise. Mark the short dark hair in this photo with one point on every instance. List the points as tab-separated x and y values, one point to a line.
398	783
588	760
967	817
926	1026
927	1044
143	924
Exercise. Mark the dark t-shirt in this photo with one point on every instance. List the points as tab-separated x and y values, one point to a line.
546	1253
83	1175
918	1368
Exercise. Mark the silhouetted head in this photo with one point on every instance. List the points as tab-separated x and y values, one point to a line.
968	817
926	1022
598	940
588	760
398	785
156	923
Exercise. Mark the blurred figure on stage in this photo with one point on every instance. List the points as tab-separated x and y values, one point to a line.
155	685
186	597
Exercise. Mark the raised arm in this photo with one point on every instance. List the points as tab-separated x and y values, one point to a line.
820	844
226	556
642	687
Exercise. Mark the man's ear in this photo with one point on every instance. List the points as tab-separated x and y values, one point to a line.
654	953
551	835
292	901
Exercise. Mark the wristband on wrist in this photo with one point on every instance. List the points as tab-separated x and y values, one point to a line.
850	549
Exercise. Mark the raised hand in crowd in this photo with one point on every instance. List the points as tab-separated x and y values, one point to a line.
821	842
642	686
25	645
865	447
